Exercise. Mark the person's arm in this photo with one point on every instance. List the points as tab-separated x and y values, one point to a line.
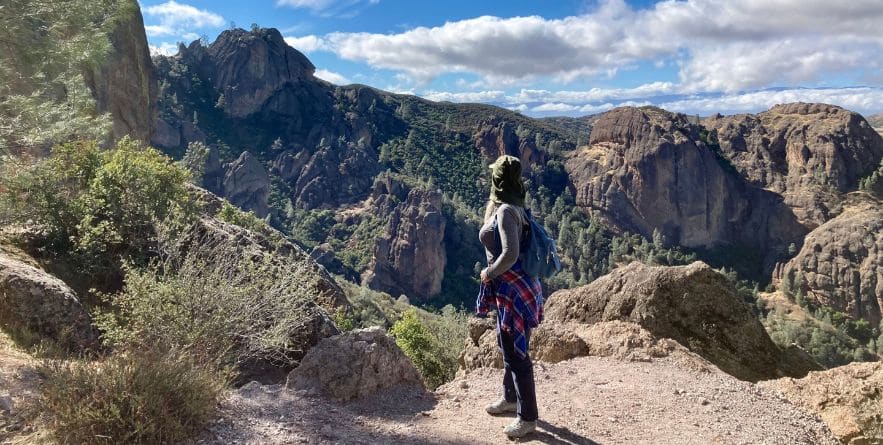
509	227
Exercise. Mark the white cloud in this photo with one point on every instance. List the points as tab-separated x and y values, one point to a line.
862	99
475	96
719	45
179	19
554	108
163	49
306	44
594	94
332	77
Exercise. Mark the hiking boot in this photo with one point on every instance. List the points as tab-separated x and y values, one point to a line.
520	428
501	407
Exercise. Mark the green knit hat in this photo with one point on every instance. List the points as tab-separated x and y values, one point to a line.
506	183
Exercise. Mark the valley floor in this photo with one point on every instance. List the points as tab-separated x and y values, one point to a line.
589	400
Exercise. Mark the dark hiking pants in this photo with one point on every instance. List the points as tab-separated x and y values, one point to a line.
518	382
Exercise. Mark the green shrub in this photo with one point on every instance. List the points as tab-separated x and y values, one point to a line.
247	220
421	346
214	302
137	398
101	205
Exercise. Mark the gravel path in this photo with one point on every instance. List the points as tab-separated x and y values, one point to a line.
590	400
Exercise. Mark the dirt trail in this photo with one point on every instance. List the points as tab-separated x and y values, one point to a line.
589	400
18	387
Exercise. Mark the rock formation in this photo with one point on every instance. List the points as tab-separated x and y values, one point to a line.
496	137
34	302
841	262
808	153
354	365
640	312
409	258
848	398
646	169
247	184
251	67
125	84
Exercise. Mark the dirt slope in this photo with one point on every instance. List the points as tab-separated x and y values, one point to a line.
589	400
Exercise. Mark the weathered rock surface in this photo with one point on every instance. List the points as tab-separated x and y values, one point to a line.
641	313
496	137
125	84
808	153
247	184
410	257
848	398
354	365
251	67
35	302
841	262
646	168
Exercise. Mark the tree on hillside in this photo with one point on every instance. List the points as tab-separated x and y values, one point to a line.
45	47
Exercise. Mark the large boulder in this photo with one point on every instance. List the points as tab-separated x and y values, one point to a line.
125	84
409	258
638	312
848	398
354	365
808	153
247	184
647	169
693	305
34	302
841	262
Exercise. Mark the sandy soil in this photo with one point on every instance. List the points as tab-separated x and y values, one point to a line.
589	400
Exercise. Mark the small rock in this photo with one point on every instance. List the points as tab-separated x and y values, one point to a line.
463	384
6	404
704	401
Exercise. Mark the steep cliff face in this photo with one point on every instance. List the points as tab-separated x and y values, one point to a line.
125	84
841	262
496	137
251	67
409	258
247	184
646	169
808	153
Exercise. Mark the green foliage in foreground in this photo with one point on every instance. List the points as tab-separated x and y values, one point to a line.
432	339
421	347
140	398
99	205
214	303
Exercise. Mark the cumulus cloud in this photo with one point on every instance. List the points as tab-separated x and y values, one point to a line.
860	99
719	45
332	77
306	44
475	96
594	94
163	49
179	19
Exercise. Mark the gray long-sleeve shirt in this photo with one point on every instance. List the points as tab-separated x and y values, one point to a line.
510	223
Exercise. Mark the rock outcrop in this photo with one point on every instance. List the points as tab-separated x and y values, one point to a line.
247	184
251	67
841	262
410	257
354	365
125	84
808	153
646	168
34	302
496	137
848	398
640	312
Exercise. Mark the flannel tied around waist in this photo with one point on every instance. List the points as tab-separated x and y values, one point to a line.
518	298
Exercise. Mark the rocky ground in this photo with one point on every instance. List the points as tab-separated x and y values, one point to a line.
588	400
18	386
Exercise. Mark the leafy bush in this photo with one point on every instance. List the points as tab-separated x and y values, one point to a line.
99	204
422	347
247	220
137	398
219	304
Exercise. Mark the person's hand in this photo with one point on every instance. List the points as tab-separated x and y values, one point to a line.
484	277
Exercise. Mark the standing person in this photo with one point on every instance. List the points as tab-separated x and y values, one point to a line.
517	296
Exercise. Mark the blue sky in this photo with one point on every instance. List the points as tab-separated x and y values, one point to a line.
570	57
